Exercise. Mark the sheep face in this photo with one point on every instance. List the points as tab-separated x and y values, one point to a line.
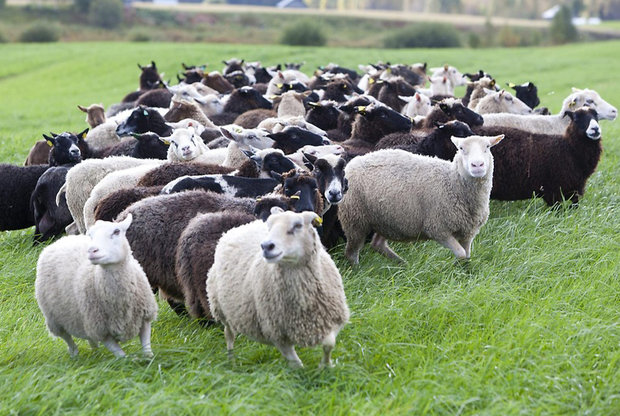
150	146
184	143
149	78
238	79
475	154
461	113
329	173
302	189
586	120
505	102
388	119
590	98
138	121
256	138
95	114
293	138
453	75
108	242
417	105
527	92
290	238
65	148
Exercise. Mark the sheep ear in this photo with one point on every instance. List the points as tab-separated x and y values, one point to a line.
405	98
248	153
276	210
312	159
445	67
307	94
83	109
314	105
227	134
124	225
445	108
456	141
570	115
576	89
530	86
492	83
51	141
313	218
165	141
510	85
82	135
494	140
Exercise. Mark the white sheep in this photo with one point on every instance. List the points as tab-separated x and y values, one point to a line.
299	159
501	102
275	283
557	123
83	177
439	86
417	105
454	76
401	196
92	287
186	145
112	182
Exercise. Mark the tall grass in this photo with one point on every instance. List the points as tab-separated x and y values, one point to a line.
529	326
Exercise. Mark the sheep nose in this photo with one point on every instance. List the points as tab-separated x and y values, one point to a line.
477	164
335	194
93	250
267	246
185	148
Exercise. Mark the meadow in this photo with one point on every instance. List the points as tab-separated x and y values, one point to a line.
530	325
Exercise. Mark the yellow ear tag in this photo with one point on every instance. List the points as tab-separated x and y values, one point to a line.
83	135
279	85
166	142
49	143
295	197
318	221
492	83
571	105
258	199
371	80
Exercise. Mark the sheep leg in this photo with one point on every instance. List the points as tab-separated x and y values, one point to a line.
455	246
230	341
73	349
466	243
111	344
355	242
288	351
328	345
380	245
145	338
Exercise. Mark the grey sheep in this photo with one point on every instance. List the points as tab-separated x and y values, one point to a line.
401	196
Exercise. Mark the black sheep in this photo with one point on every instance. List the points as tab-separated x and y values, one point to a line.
435	142
159	97
50	219
292	138
19	182
241	100
451	109
141	146
548	166
324	115
372	123
527	92
142	120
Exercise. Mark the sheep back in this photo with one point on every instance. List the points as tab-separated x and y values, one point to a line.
16	187
194	255
158	221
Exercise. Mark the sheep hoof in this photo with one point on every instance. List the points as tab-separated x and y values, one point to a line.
148	354
295	364
328	364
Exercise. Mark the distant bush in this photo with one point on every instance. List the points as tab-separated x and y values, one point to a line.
106	13
3	39
40	32
139	36
304	33
474	40
424	35
2	3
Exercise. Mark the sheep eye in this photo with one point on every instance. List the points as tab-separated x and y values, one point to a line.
460	147
116	232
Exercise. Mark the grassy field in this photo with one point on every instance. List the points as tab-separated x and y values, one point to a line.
529	326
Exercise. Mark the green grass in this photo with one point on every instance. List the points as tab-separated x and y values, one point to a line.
529	326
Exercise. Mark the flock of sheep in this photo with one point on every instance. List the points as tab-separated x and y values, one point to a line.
223	192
